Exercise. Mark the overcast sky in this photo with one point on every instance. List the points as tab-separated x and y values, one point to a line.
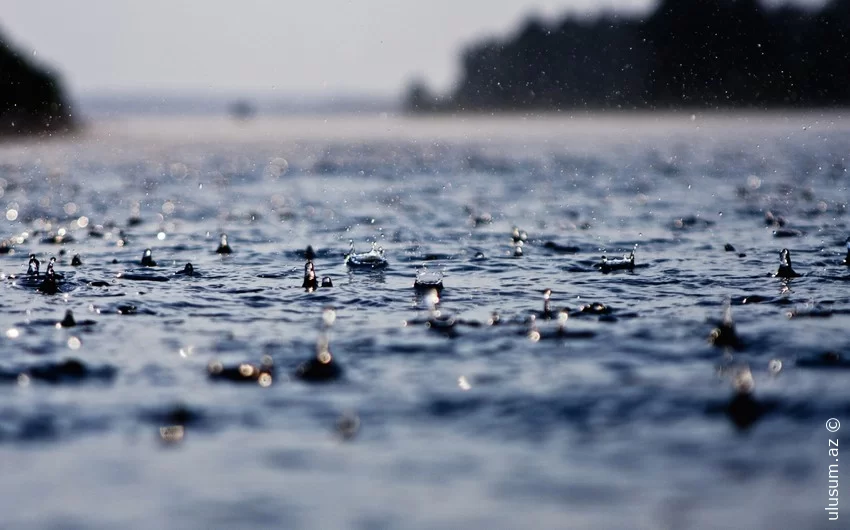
332	46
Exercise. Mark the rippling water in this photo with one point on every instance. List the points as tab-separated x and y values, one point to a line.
627	420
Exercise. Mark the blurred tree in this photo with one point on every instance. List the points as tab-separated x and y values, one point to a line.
31	100
686	53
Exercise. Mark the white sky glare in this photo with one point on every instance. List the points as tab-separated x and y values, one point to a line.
368	47
335	46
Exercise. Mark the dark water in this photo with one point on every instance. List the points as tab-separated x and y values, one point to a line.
479	426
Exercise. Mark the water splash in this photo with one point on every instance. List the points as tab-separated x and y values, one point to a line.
847	257
33	266
374	259
427	280
724	335
147	258
785	269
310	283
626	263
322	367
223	247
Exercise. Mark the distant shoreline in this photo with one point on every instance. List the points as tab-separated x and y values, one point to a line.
582	130
683	54
32	101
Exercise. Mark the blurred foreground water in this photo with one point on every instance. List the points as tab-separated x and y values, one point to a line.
490	415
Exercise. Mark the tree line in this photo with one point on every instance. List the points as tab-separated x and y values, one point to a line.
685	53
31	99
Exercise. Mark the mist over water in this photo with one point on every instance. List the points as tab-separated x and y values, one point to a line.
620	416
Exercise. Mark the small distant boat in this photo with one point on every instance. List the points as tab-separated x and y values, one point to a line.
242	110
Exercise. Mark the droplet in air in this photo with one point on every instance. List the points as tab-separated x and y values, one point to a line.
743	381
328	316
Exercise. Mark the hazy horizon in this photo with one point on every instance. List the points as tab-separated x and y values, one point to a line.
107	104
329	49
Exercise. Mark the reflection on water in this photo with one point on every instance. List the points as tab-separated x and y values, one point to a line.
449	398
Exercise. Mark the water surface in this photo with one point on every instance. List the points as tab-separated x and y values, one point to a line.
479	427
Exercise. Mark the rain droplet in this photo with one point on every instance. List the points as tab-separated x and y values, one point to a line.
774	366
